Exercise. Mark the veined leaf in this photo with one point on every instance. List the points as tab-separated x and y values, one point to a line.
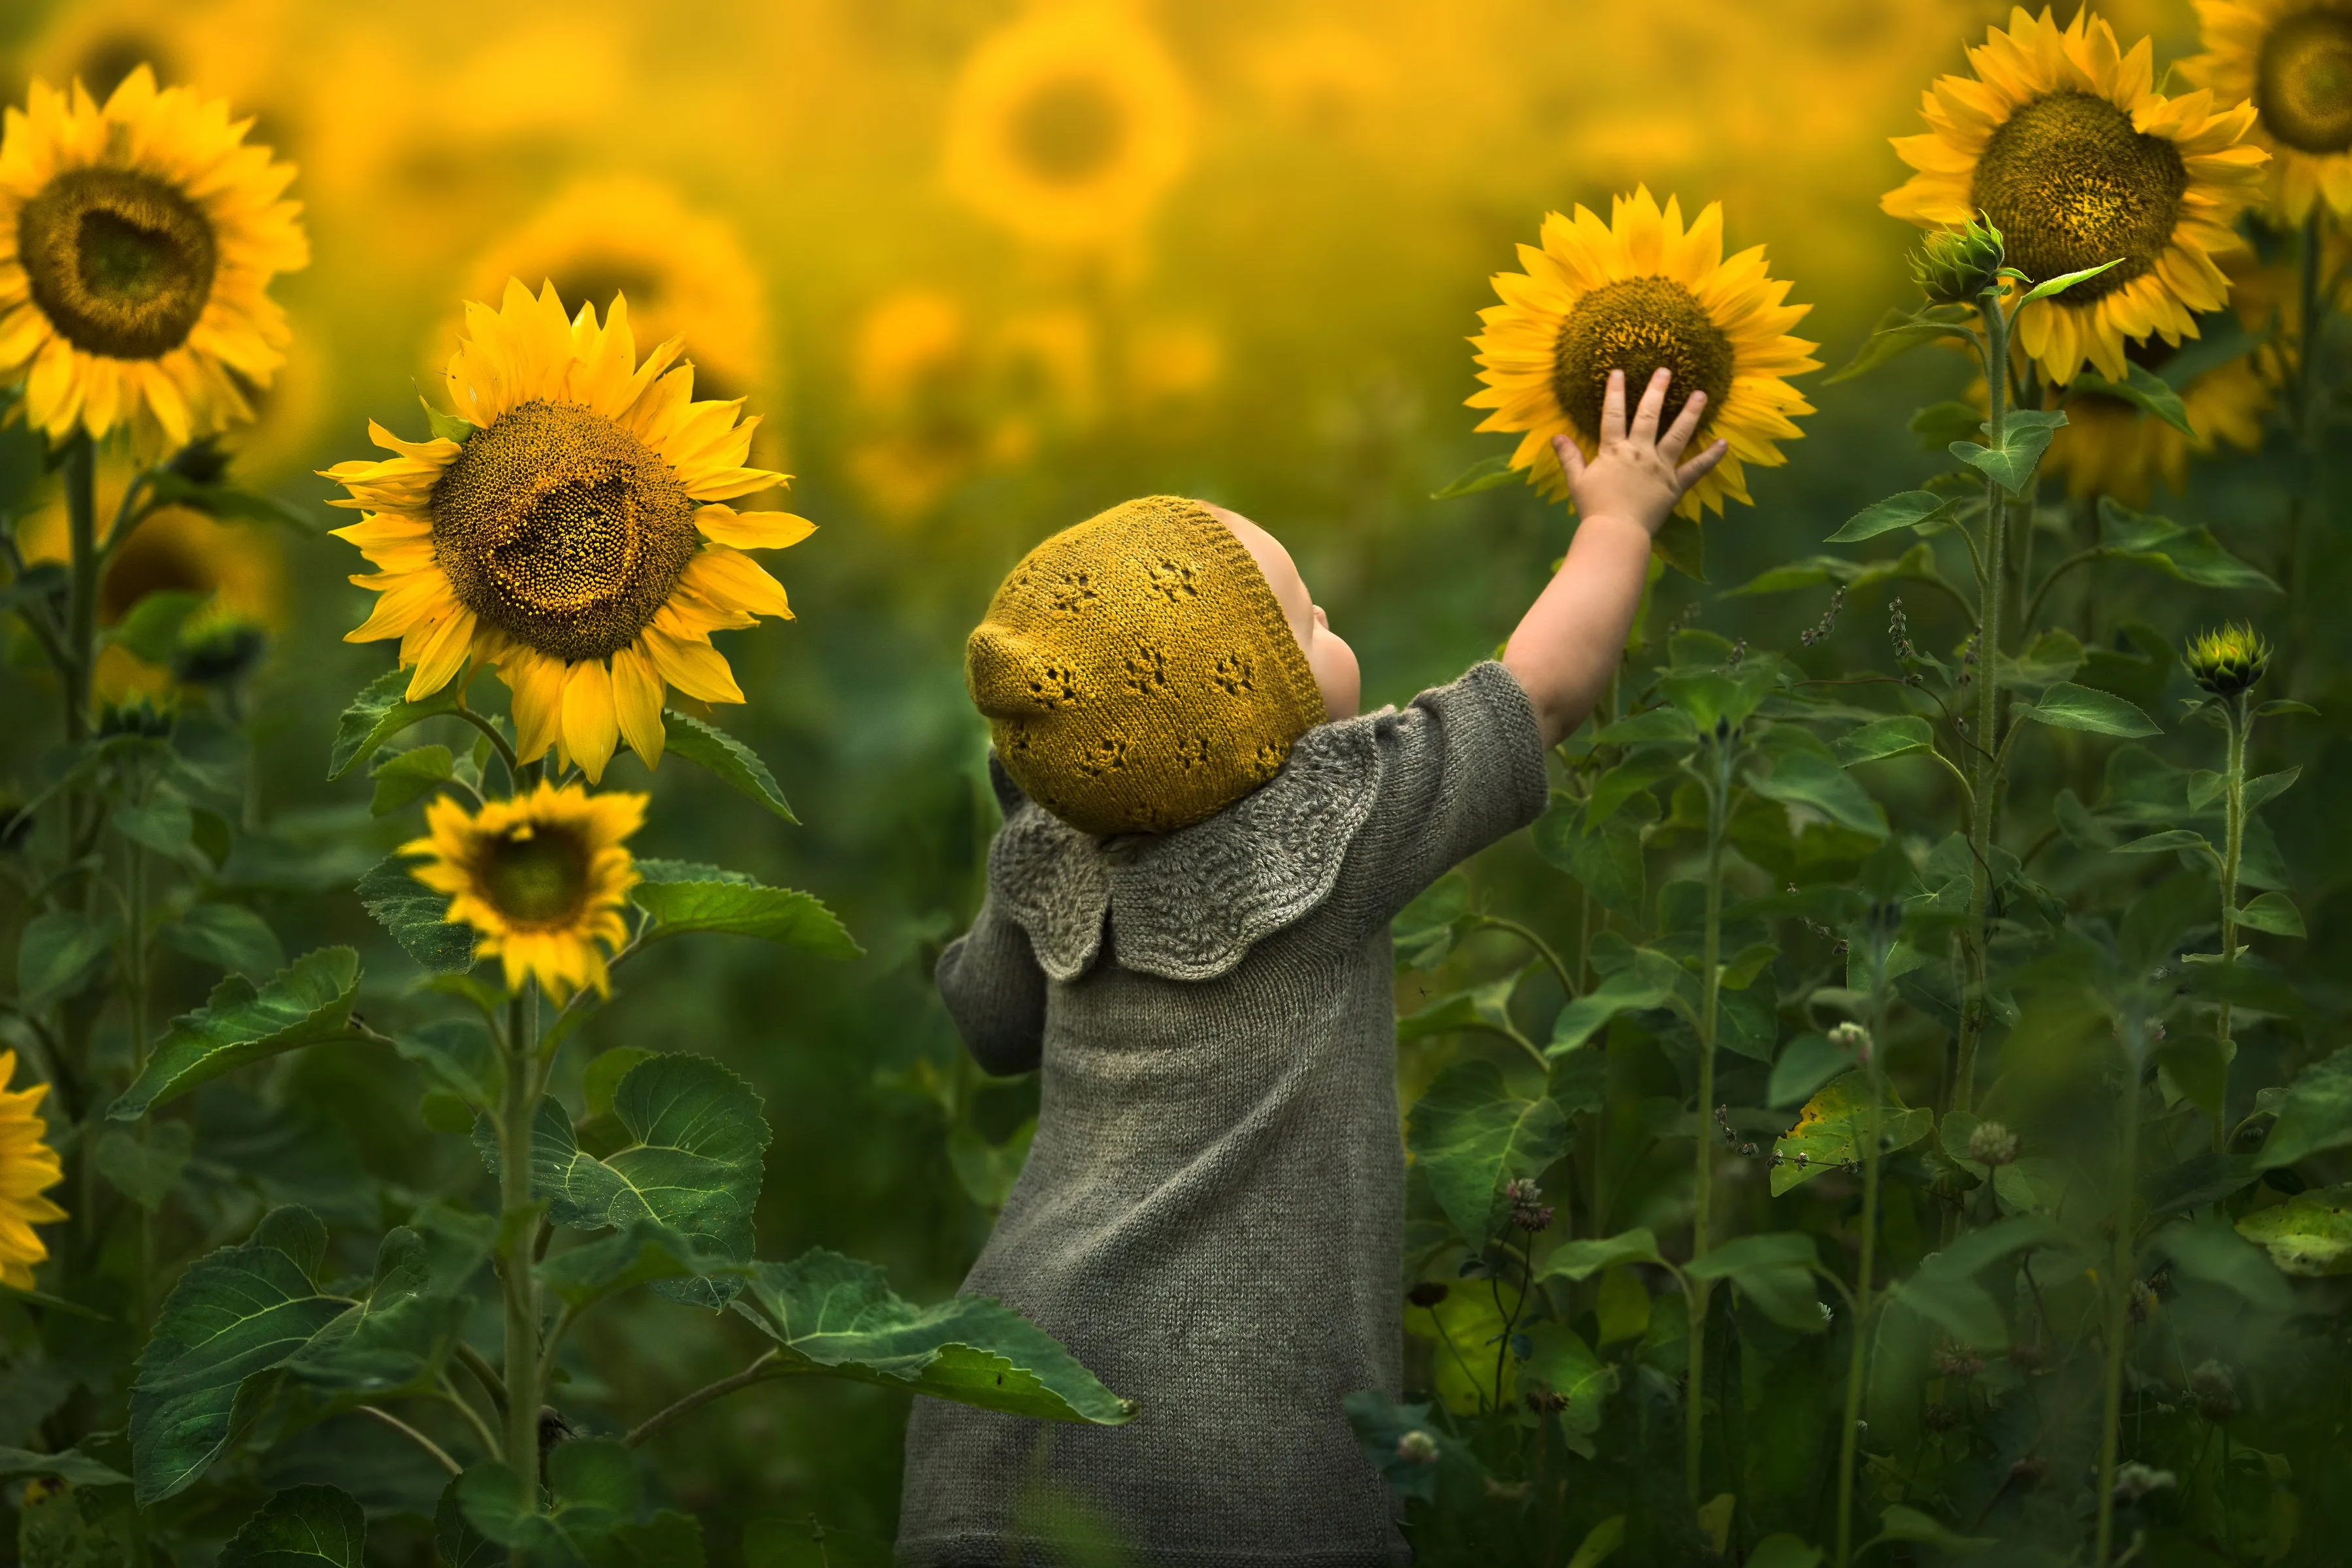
307	1002
1908	509
302	1527
642	1252
2310	1234
408	776
2011	463
58	955
773	914
736	765
1488	473
2059	284
70	1465
2275	913
1901	1523
227	502
2314	1114
227	936
1831	1128
381	710
1818	784
1883	738
836	1316
2258	792
1774	1271
1471	1133
1667	724
2142	389
2067	706
1635	990
1583	1259
1559	1359
413	913
1898	333
2171	839
593	1494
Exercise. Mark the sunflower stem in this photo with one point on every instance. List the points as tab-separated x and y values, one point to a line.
1718	801
1987	761
2238	719
1858	1349
520	1246
2119	1293
82	614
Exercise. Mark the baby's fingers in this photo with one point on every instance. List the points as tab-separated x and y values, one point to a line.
1698	468
1677	435
1571	458
1613	410
1654	403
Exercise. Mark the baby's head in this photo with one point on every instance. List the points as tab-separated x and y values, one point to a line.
1151	666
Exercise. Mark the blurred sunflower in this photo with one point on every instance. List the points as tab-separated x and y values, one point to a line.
2060	139
2110	447
234	48
2294	59
28	1167
137	243
686	273
576	539
1066	126
543	878
1633	294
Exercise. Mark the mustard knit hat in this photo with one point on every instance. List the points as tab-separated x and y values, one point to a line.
1137	672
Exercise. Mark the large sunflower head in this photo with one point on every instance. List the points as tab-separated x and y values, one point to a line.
577	538
1067	125
2294	60
137	243
1633	294
28	1167
2060	141
543	878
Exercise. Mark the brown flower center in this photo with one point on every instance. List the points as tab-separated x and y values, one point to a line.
121	262
1636	325
2303	81
1068	131
562	530
2070	185
534	874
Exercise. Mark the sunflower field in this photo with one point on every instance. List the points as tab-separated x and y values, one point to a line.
492	498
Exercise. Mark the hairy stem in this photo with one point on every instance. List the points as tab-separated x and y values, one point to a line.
439	1455
1850	1433
82	614
1702	1169
1986	789
2233	846
2119	1295
521	1234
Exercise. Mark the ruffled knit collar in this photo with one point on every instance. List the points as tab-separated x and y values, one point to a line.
1189	905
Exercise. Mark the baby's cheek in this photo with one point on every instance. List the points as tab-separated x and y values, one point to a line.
1336	674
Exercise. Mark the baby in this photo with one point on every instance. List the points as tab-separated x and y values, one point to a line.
1187	927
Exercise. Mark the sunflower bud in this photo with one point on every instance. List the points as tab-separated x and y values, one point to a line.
220	654
1956	265
1992	1143
2227	660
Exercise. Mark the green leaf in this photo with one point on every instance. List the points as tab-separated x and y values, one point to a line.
145	1173
692	1163
642	1252
2275	913
1681	545
458	1058
2257	792
381	710
413	913
2310	1234
592	1484
2011	465
1901	1523
773	914
2142	389
1470	1133
2067	706
1883	738
1939	424
836	1316
1488	473
227	936
163	825
1600	1544
2043	290
1425	932
2171	839
1775	1272
70	1465
1629	991
1830	1129
1560	1361
459	1542
2315	1115
408	776
1784	1551
737	765
446	426
226	502
1898	333
1670	725
1583	1259
1485	1007
602	1080
1908	509
58	956
306	1004
1806	1063
2281	708
151	630
1819	783
805	1543
299	1528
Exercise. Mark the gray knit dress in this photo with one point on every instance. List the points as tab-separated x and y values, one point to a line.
1211	1214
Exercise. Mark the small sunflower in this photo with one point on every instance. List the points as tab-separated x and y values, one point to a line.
1066	126
543	878
2294	60
577	539
2227	660
1633	294
686	273
28	1167
2060	141
137	243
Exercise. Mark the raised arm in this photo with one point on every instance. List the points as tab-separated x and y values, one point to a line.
995	992
1570	640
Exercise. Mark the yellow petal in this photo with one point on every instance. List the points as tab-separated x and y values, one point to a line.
590	726
637	696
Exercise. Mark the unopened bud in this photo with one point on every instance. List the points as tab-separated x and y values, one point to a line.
1417	1447
1993	1144
1954	265
2227	660
1959	1360
1854	1038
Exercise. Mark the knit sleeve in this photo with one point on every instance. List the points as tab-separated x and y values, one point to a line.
995	992
1462	766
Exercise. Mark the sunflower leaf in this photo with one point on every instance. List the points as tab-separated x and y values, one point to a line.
736	765
381	710
1908	509
225	503
1469	1132
298	1527
446	426
1831	1130
407	777
837	1316
414	913
2011	463
1489	473
1900	332
773	914
2142	389
2067	706
307	1003
2051	287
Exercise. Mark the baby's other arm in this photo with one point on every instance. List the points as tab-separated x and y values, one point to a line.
1570	640
989	980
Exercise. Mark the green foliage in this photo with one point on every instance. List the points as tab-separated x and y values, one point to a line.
309	1003
735	763
1471	1133
299	1527
772	914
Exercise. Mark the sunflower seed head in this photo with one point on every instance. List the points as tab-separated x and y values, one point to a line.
1956	265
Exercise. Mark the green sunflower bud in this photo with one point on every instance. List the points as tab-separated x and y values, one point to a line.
2228	659
1956	265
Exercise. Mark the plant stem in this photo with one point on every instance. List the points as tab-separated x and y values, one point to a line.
760	1371
520	1228
134	980
1850	1434
81	615
484	1374
1987	788
2232	845
440	1456
1718	801
2119	1294
1543	949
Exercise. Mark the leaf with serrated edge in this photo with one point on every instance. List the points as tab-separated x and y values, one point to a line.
301	1526
2067	705
307	1002
837	1315
413	913
773	914
1907	510
735	763
381	710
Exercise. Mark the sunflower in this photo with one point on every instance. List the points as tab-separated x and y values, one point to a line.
576	539
543	878
28	1167
2294	60
686	273
137	243
1066	126
2062	141
1634	293
2110	447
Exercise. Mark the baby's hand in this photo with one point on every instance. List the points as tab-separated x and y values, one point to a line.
1633	475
